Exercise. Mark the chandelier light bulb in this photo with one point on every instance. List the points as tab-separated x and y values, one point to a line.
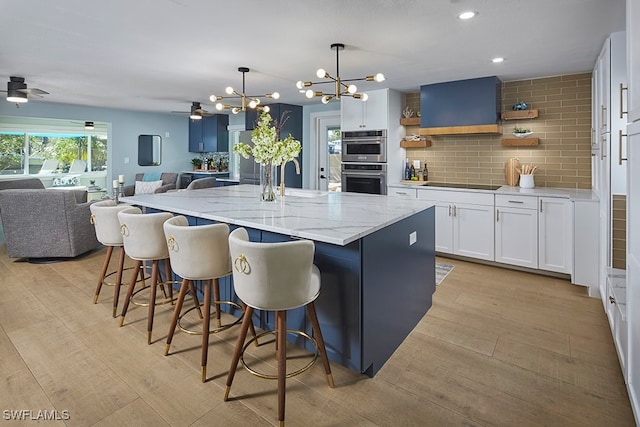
300	84
219	106
326	99
275	95
235	110
352	89
379	77
321	73
253	103
266	109
309	93
229	90
364	97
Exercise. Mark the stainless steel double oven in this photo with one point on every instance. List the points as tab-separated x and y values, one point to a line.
364	161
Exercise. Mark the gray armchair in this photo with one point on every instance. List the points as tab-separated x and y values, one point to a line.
41	223
169	180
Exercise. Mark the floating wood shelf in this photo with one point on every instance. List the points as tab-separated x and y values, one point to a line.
411	121
422	143
515	142
519	114
462	130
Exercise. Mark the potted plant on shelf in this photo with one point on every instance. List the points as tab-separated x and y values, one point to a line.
197	163
519	132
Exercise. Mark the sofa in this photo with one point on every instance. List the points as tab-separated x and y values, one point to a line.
169	180
45	223
33	183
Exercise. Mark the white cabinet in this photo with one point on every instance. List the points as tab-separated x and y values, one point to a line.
464	222
517	230
555	235
586	246
633	60
371	114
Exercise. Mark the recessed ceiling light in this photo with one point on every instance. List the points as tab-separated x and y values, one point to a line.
467	15
497	60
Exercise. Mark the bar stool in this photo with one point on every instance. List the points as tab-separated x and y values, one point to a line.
275	277
199	253
104	217
143	240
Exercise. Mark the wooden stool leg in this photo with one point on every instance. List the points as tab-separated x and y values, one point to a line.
216	299
169	276
246	321
251	327
281	331
103	272
176	314
311	311
116	291
206	317
152	298
132	284
194	295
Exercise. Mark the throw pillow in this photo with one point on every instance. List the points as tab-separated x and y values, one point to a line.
151	176
147	187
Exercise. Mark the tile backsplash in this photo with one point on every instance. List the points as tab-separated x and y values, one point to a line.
563	155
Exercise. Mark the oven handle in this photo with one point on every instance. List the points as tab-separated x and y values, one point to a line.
363	173
365	140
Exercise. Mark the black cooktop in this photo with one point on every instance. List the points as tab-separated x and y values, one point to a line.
467	186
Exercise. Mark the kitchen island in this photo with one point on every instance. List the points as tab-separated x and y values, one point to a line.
376	255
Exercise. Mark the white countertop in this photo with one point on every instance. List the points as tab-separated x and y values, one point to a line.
572	194
331	217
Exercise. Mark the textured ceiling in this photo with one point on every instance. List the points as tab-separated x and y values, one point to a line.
160	55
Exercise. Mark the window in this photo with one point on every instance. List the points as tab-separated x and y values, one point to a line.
26	144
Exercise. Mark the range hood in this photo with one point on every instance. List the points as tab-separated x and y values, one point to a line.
461	107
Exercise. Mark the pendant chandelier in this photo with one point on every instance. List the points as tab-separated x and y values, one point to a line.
250	101
343	87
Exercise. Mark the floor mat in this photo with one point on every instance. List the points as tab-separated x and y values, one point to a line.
442	270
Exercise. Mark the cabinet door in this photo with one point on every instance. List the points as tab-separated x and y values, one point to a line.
517	236
371	114
555	235
196	144
604	82
473	231
351	114
376	110
444	227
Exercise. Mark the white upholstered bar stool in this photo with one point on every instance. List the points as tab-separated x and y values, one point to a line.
275	277
143	240
199	253
104	217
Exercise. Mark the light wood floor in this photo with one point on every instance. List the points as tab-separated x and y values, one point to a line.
498	347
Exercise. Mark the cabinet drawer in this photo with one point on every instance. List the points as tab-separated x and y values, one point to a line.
402	192
469	197
515	201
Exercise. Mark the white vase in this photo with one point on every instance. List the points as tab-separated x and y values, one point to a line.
526	181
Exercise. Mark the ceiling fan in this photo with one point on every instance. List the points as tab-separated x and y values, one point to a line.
18	92
196	113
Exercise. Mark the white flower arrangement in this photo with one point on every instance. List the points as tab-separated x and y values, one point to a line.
268	148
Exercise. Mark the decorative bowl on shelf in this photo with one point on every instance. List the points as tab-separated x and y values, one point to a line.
522	134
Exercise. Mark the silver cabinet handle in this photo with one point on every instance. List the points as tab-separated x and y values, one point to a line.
603	147
622	112
497	215
516	201
620	158
612	300
449	210
540	205
455	210
603	115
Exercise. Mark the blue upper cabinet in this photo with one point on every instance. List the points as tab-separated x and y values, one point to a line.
463	106
209	134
